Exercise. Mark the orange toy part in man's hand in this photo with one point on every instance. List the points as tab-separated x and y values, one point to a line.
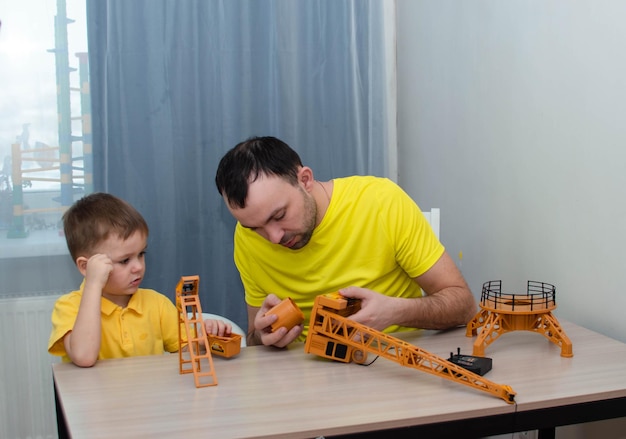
289	315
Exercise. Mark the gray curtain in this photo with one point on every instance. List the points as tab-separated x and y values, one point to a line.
175	84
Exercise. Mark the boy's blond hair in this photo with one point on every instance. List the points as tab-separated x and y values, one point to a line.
94	218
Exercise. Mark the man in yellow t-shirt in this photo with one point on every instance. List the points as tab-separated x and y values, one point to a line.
362	236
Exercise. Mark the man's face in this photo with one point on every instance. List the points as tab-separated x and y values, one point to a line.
279	212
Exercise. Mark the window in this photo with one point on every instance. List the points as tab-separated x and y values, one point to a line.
45	139
45	131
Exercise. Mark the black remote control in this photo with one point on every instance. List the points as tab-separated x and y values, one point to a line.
478	365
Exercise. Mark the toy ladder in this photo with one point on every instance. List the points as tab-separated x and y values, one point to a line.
197	357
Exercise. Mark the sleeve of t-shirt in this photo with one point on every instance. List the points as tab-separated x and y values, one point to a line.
254	295
416	245
63	317
169	326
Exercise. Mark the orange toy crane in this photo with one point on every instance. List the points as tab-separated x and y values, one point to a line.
193	360
333	335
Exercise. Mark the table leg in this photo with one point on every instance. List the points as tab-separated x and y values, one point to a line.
61	424
546	433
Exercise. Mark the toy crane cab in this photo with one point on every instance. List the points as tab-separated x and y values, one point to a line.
332	347
333	335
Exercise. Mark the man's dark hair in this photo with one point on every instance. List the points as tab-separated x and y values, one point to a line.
247	160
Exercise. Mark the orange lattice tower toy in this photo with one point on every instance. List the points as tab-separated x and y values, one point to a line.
196	358
332	334
501	313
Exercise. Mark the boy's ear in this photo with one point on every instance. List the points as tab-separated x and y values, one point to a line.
81	264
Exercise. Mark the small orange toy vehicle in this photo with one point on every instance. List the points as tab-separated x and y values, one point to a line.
225	346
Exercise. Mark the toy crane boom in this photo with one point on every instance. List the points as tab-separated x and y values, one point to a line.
333	335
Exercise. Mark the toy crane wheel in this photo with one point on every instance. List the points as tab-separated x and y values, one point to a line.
359	356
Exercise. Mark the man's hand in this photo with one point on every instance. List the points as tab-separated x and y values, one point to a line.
263	326
448	302
377	310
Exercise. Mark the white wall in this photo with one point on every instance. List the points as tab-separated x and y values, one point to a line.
512	119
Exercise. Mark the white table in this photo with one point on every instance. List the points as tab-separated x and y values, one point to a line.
267	392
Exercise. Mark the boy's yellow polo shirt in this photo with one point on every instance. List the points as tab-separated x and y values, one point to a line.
147	326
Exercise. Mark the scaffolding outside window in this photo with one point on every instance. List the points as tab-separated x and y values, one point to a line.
45	134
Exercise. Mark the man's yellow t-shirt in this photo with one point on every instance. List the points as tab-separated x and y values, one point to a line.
147	326
373	235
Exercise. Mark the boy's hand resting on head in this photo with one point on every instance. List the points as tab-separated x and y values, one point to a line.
98	269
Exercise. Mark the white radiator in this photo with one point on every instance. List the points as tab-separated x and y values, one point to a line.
27	408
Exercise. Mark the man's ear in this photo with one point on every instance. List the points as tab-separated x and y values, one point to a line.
81	264
305	176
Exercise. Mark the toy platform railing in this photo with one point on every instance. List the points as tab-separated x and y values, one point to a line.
501	313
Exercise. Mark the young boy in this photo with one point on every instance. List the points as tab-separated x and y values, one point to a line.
110	316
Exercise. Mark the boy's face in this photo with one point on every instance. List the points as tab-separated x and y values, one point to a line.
129	266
